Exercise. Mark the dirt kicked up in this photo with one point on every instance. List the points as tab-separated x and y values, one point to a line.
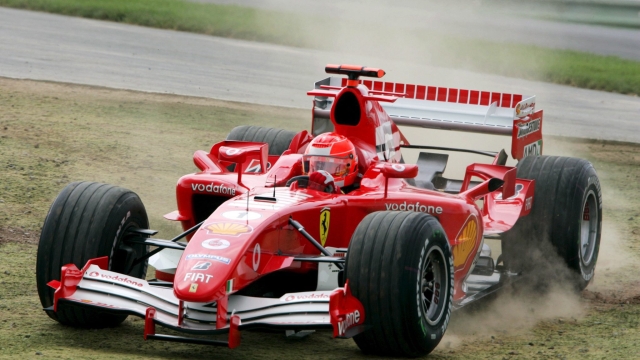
53	134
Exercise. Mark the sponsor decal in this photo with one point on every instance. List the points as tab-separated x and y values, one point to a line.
523	109
214	188
232	151
229	287
117	278
350	319
528	202
313	296
429	209
340	252
465	242
325	217
534	148
384	142
198	277
528	128
221	259
215	244
241	215
201	265
230	229
256	257
398	167
193	288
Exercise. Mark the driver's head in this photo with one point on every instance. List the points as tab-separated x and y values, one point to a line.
334	154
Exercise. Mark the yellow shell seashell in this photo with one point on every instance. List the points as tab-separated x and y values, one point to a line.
224	228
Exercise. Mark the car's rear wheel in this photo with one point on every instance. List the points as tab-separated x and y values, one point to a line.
278	139
565	222
400	266
89	220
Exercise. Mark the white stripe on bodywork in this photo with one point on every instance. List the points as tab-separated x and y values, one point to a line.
284	198
292	308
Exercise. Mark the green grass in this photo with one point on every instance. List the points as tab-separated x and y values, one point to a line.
579	69
143	142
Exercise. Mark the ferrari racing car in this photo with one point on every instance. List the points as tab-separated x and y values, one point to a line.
329	228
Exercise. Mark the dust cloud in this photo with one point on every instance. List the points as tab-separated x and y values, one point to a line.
411	39
513	312
542	292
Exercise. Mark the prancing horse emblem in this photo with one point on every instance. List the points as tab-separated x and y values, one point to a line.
325	217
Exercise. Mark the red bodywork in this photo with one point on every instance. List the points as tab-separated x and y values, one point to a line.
246	238
246	204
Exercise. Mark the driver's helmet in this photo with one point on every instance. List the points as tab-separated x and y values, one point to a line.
334	154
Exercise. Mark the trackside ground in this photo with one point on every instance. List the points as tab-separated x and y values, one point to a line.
52	134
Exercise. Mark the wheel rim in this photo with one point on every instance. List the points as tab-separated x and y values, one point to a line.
588	228
433	286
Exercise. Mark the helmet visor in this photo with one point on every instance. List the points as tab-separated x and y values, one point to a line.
336	166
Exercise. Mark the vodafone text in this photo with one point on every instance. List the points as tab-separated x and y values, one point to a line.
115	278
429	209
350	319
214	188
314	296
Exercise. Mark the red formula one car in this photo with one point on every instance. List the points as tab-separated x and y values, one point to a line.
329	229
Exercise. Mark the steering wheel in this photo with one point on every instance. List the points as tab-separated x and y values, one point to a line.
303	180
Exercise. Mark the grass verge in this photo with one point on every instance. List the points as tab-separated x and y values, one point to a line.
52	134
607	73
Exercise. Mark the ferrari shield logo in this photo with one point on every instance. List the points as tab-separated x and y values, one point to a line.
193	288
325	217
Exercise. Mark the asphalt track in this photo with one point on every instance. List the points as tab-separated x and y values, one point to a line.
58	48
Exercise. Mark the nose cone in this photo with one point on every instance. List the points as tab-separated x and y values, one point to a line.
202	279
207	263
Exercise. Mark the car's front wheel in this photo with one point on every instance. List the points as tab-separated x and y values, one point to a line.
89	220
399	265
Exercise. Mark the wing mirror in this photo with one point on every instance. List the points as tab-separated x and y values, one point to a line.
245	155
398	171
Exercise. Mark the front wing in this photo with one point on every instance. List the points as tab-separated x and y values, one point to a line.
113	292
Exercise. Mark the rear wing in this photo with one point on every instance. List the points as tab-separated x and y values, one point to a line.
449	109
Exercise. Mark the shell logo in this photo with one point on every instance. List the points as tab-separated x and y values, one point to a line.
465	242
230	229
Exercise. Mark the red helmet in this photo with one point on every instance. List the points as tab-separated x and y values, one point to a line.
334	154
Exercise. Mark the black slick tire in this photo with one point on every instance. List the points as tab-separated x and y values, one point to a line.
564	225
400	266
88	220
278	139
